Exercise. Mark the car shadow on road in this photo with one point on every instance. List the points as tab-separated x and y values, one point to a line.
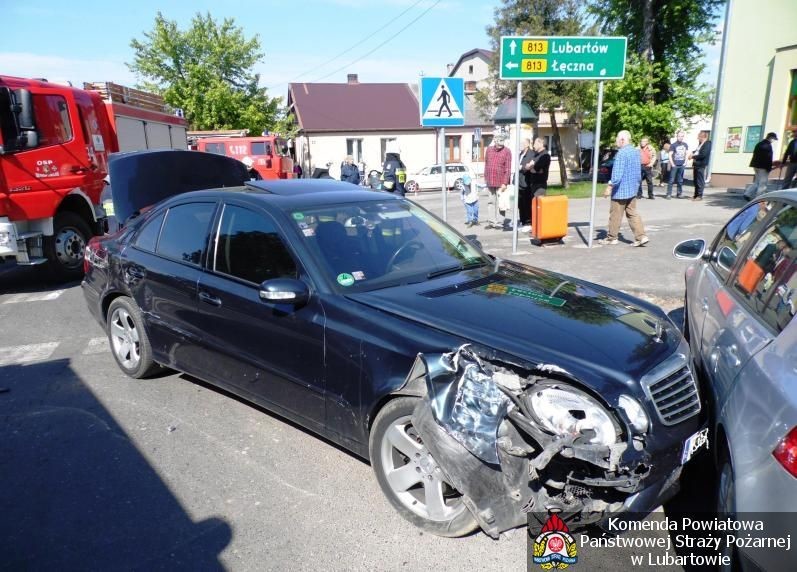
75	491
728	200
15	279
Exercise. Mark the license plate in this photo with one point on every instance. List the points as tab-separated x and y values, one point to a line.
694	444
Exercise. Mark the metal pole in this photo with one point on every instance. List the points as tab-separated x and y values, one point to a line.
517	167
443	170
596	145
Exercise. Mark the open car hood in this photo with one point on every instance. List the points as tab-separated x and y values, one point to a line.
143	178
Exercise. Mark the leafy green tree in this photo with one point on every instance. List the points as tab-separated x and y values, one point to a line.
539	18
207	71
630	103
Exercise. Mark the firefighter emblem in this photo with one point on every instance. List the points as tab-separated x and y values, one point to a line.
554	548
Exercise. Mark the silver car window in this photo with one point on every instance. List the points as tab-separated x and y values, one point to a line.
734	237
765	278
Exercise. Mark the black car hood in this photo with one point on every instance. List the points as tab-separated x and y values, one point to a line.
143	178
540	317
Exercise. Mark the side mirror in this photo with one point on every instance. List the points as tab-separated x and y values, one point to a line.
691	249
284	291
726	258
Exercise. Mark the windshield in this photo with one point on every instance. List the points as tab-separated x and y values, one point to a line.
366	246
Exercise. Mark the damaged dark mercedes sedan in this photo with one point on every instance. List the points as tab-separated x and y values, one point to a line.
480	389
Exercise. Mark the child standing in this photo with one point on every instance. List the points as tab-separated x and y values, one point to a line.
470	196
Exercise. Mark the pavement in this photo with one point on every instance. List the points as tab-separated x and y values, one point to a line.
650	272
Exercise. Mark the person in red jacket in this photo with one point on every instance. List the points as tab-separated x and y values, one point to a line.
497	172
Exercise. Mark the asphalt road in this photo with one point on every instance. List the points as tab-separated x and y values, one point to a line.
101	472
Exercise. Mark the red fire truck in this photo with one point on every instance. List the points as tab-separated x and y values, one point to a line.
54	146
268	154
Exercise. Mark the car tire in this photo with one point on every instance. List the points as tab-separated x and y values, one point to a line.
409	477
459	185
128	339
412	187
65	249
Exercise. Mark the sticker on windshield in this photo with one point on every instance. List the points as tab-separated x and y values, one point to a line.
345	279
308	231
394	215
298	216
523	293
358	275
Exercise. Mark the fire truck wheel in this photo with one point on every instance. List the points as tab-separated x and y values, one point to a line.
65	248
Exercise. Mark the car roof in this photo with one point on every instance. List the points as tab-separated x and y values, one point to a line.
295	193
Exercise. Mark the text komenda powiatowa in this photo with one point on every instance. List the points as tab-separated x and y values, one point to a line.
685	534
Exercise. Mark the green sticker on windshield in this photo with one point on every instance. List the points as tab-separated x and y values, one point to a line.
345	279
298	216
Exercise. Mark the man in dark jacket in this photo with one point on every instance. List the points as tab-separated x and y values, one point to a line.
349	172
762	162
790	160
699	164
394	172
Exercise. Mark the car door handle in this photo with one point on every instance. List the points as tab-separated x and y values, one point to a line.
134	273
210	299
730	353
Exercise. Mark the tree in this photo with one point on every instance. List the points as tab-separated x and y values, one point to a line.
630	104
539	18
667	32
207	71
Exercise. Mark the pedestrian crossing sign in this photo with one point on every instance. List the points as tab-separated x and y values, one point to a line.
442	101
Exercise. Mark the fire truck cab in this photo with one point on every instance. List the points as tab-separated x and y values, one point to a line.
269	153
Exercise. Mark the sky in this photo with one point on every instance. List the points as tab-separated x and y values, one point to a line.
87	40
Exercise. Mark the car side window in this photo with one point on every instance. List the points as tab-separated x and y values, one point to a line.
765	278
435	171
735	235
147	238
185	232
249	247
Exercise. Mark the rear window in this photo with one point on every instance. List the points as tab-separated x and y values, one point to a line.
185	232
147	239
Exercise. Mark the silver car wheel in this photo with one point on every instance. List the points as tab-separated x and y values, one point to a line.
414	476
70	246
124	339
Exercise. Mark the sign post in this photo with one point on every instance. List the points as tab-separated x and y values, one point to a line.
563	58
442	104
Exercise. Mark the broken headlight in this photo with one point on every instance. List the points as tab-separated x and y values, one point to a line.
571	412
636	415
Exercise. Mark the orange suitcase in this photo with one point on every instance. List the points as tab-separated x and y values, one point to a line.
549	217
749	276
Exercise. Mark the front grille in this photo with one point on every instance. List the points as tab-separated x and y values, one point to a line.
674	395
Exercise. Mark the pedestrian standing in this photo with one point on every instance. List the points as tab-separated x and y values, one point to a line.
699	163
762	162
538	181
626	177
664	163
523	180
790	160
648	157
349	172
470	196
394	172
678	154
497	171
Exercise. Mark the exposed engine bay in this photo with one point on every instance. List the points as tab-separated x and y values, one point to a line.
518	439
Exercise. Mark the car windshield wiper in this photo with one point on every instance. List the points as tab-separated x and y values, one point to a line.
456	268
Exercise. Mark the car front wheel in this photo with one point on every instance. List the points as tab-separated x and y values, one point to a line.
410	477
412	187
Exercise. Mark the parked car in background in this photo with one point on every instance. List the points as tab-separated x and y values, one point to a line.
741	297
480	389
431	177
605	166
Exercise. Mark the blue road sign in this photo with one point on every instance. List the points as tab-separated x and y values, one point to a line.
442	102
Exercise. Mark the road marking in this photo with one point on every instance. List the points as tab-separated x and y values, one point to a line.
32	297
97	346
18	355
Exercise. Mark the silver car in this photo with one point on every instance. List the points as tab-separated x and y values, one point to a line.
741	295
